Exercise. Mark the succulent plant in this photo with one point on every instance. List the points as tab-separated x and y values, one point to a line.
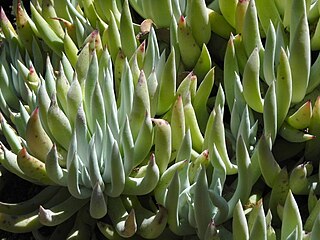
134	128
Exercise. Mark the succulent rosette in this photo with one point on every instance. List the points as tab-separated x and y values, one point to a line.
162	119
